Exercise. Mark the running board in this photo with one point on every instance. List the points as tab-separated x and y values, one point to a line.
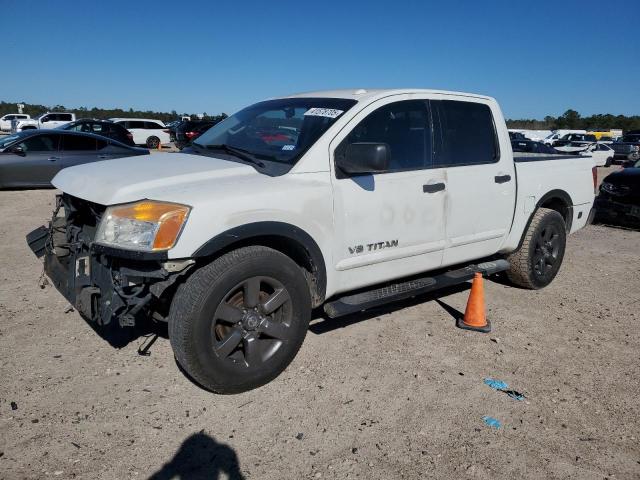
358	302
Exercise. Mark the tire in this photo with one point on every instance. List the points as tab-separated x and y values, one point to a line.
223	343
537	262
153	142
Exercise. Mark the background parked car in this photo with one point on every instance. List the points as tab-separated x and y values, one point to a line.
558	134
31	159
5	120
189	130
619	198
629	146
104	128
146	131
585	138
531	147
601	153
45	120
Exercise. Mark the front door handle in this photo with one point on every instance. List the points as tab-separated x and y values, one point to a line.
502	178
433	187
53	159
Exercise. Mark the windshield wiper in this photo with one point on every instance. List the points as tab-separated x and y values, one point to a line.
237	152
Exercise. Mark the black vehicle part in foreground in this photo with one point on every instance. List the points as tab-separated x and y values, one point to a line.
619	198
95	279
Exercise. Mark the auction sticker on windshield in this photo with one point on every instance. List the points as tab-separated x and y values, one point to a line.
323	112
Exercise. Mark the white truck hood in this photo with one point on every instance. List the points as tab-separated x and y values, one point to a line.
155	176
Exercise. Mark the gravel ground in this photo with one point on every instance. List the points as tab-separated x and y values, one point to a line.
394	393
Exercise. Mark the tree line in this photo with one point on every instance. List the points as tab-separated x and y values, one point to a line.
95	112
571	119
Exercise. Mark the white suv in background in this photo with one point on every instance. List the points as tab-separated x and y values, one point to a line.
5	121
145	131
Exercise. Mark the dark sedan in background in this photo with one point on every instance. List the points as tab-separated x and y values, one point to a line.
104	128
531	146
184	132
619	198
32	158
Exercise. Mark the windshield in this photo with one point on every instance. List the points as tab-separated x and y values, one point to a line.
10	139
278	130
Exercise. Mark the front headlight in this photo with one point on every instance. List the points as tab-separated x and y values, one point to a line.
147	225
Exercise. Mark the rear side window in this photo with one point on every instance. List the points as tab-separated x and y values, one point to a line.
135	124
404	126
76	143
465	133
152	125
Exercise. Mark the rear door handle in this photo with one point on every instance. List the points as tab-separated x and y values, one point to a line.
502	178
53	159
433	187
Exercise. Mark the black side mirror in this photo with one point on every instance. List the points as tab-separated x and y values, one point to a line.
365	157
18	150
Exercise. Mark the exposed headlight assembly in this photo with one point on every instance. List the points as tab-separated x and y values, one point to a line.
144	226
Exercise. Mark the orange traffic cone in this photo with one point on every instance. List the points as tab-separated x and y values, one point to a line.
474	316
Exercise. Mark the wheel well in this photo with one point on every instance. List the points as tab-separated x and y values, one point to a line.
313	268
560	202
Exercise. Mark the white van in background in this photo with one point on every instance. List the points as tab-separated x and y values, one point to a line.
146	131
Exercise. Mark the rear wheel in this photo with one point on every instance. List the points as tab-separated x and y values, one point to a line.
153	142
238	322
536	263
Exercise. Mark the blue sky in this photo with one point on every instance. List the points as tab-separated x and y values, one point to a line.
537	58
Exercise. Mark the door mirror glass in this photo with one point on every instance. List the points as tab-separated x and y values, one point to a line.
364	157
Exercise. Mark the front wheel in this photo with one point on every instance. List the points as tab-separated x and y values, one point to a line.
239	321
536	263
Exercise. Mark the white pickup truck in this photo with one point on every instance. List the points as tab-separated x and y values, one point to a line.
45	120
5	120
347	199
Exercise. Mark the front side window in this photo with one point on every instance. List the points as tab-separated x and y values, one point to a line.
465	133
404	127
275	130
135	124
40	143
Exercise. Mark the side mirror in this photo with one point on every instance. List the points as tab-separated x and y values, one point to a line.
18	150
365	157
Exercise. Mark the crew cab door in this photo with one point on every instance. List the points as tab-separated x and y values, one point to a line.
389	225
481	180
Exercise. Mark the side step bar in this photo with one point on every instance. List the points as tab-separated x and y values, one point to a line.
358	302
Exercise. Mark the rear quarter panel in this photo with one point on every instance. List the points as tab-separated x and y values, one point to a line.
537	178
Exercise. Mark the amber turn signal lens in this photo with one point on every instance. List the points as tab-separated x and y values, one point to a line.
170	218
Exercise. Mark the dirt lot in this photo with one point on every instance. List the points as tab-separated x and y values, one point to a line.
396	393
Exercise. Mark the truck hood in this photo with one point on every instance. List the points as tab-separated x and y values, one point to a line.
155	176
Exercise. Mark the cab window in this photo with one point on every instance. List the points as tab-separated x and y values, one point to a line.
404	127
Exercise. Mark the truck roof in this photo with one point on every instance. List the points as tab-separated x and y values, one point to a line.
370	94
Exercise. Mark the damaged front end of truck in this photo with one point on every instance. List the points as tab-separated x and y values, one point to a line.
103	283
